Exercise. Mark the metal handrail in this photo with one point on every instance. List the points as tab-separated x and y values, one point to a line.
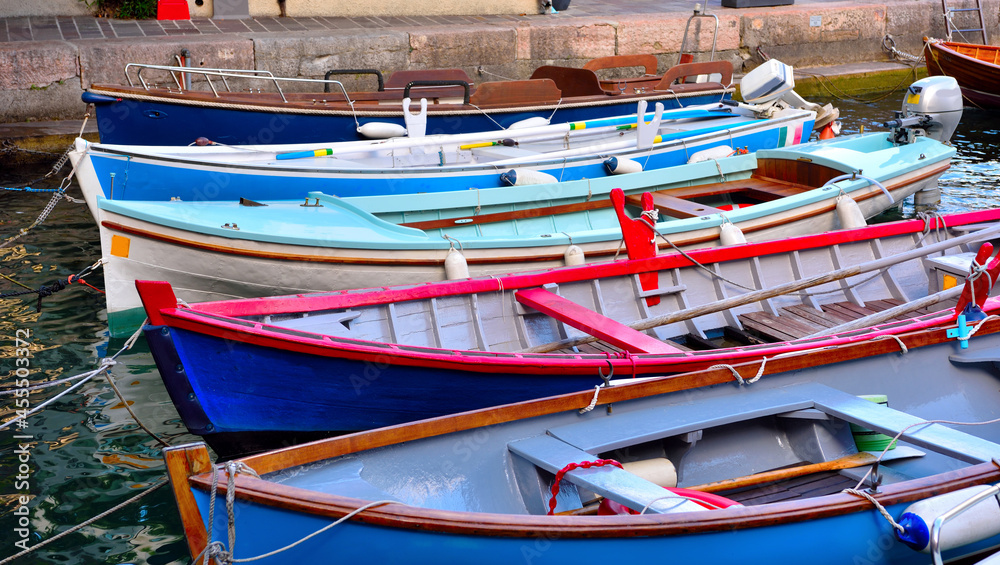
223	73
935	541
418	83
699	13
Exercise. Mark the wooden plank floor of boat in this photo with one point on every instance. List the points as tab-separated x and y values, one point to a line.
808	486
795	322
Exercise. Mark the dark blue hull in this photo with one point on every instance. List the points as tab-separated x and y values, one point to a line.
251	398
140	122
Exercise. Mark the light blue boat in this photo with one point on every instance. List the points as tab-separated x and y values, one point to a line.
435	163
522	483
224	249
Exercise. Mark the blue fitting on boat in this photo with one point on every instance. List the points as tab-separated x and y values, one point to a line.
509	178
611	164
973	313
915	534
91	98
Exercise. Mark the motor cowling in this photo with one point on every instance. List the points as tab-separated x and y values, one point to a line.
933	104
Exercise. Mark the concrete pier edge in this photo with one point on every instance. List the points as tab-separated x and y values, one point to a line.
41	80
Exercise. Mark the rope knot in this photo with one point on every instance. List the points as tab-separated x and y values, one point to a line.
215	550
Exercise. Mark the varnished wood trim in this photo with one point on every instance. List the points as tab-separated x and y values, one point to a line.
529	526
182	462
321	259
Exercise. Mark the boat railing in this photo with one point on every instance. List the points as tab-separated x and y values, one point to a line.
939	522
178	74
698	13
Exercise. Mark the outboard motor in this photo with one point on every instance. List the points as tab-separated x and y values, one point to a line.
770	87
933	107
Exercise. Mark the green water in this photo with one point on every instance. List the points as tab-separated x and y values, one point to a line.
87	455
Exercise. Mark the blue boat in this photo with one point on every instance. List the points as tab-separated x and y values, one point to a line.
763	463
202	103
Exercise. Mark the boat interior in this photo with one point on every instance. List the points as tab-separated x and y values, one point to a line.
555	318
773	179
761	446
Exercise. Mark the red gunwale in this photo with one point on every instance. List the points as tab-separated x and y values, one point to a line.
518	363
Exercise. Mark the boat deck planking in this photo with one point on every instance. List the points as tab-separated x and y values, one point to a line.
794	322
809	486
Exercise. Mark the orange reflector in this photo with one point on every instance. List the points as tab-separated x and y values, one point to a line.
120	245
949	282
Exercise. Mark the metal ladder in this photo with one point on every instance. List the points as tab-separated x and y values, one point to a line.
948	24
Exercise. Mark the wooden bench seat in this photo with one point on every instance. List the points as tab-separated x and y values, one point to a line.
673	206
591	322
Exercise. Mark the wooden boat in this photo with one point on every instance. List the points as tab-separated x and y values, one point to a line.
435	163
259	110
975	67
478	486
219	250
367	358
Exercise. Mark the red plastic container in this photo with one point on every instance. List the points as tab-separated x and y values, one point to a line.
172	10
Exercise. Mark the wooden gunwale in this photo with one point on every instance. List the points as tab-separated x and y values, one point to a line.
402	516
501	259
503	525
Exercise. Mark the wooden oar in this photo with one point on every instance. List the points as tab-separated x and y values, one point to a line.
859	459
759	295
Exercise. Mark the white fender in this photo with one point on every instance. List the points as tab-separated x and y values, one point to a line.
381	130
729	234
534	122
849	213
616	166
522	177
455	265
574	255
717	152
979	522
416	124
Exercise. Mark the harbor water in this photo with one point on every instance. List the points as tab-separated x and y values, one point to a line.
84	454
